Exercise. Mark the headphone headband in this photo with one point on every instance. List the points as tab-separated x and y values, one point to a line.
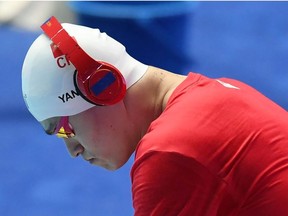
69	47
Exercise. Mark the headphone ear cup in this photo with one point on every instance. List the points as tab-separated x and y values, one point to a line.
104	85
77	88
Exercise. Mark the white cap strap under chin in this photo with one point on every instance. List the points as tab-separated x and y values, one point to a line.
47	77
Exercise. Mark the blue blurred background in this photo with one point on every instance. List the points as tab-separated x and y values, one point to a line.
243	40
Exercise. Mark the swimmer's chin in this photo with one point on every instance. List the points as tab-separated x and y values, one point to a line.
104	165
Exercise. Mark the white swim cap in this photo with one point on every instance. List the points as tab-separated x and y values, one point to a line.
47	79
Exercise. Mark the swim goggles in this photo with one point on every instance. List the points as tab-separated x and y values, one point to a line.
64	129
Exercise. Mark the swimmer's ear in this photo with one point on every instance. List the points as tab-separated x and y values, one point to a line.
49	125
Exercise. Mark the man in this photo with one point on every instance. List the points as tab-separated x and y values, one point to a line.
202	146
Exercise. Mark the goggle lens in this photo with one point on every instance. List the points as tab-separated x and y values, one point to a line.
64	129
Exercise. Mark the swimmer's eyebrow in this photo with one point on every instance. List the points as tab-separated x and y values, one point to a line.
49	125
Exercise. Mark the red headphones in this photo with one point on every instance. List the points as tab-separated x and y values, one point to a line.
97	82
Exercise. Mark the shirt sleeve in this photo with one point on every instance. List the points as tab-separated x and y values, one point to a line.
172	184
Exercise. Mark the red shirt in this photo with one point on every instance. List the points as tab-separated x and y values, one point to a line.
219	148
